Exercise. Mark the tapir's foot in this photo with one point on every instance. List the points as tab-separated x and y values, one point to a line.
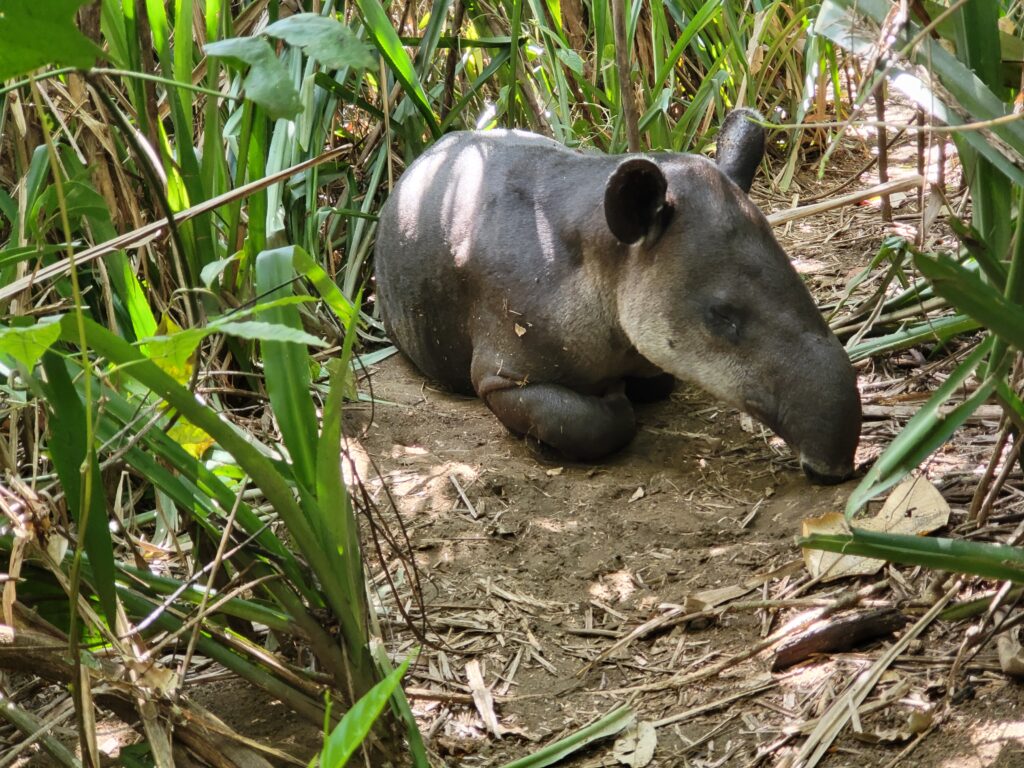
649	389
581	427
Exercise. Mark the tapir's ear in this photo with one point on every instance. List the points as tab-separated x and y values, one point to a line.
740	147
634	199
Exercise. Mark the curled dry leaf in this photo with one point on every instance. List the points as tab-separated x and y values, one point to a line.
636	746
915	506
1011	657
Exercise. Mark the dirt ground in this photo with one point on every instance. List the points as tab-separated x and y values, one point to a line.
534	571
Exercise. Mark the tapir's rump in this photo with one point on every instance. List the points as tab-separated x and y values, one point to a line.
554	284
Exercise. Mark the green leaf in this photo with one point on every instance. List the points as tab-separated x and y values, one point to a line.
571	59
214	269
35	34
386	39
992	561
263	331
286	366
978	299
268	83
325	39
350	732
327	288
71	454
930	331
173	351
615	721
28	344
926	431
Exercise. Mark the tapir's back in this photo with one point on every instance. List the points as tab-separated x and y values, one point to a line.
470	215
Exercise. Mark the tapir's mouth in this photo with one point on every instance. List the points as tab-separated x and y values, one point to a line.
828	477
818	472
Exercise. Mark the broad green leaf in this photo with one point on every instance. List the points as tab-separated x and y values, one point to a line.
36	34
1010	399
325	39
28	344
571	59
336	517
930	331
263	331
214	269
268	83
350	732
174	348
970	294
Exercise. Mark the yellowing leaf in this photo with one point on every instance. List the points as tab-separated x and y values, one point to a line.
190	437
174	349
914	506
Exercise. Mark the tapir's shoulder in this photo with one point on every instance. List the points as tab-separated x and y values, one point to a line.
501	138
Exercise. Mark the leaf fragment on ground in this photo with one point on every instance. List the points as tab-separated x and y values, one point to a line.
482	697
1011	656
636	746
915	506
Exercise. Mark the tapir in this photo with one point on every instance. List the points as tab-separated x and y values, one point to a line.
561	286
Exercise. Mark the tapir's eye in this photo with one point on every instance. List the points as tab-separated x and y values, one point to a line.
723	320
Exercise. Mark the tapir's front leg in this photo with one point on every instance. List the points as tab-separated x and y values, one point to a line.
581	427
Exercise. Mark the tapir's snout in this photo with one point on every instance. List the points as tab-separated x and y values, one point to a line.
829	476
817	410
827	428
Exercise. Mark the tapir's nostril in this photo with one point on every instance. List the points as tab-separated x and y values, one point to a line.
824	478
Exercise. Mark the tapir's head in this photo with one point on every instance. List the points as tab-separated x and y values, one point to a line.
707	294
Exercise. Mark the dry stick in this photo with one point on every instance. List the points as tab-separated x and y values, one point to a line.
883	150
922	169
1000	481
790	214
211	582
718	704
449	71
622	64
981	491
